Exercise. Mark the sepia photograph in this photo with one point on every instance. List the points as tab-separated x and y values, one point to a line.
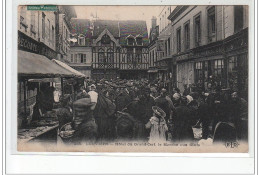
170	79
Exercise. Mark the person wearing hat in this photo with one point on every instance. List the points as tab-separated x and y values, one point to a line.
93	96
158	126
182	130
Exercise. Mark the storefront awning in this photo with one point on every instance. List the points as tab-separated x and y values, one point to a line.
64	65
35	65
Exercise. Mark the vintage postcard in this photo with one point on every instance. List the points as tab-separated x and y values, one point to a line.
133	78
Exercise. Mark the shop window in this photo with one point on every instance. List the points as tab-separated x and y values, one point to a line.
197	31
233	73
238	15
187	35
169	46
179	40
211	24
219	71
199	72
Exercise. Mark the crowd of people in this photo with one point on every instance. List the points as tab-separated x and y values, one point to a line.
150	111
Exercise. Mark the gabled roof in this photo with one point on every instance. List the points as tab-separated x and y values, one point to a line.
122	29
101	25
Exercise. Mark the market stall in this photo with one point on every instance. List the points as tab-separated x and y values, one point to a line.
36	112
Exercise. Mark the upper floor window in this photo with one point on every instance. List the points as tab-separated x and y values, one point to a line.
130	40
139	41
130	53
197	31
139	55
23	18
43	25
101	56
52	34
81	40
211	24
110	56
49	29
105	39
32	28
71	58
179	40
238	15
187	35
169	46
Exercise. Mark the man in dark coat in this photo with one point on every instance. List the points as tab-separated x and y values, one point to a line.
141	110
84	122
182	130
104	116
240	114
122	100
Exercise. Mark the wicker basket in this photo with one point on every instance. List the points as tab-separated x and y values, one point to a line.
197	132
66	131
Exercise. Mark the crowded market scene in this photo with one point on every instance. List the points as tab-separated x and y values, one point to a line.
85	81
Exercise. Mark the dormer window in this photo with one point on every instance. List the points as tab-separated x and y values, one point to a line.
81	40
130	40
139	41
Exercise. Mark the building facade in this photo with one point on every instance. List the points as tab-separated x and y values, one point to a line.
164	62
63	26
153	37
119	49
210	45
36	35
80	46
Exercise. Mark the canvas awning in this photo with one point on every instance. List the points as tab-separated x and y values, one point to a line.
35	65
65	66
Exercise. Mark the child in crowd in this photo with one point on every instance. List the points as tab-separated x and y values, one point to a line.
158	126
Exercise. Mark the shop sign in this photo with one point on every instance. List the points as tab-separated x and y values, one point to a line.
183	57
48	52
27	44
42	7
209	51
160	45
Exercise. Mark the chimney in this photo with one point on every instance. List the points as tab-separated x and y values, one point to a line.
153	22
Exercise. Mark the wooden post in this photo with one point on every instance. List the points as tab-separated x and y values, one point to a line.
62	88
25	94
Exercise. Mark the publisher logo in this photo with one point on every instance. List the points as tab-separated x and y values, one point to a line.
231	144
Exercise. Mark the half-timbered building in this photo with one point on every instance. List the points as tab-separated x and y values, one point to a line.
119	49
